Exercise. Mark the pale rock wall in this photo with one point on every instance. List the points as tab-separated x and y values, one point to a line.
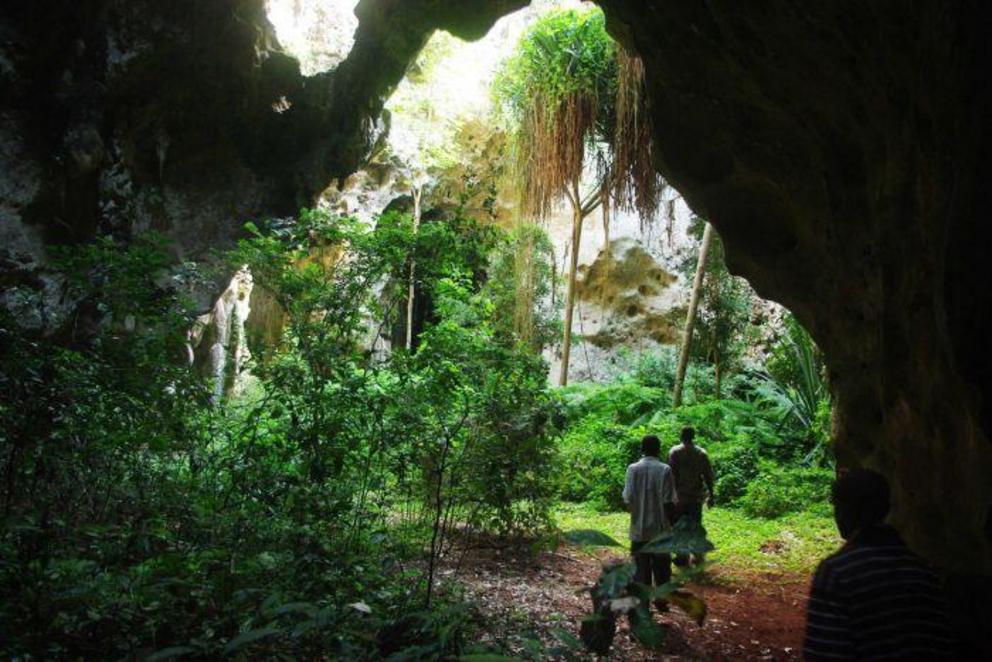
630	299
218	340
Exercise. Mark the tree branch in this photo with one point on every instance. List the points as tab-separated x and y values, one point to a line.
590	203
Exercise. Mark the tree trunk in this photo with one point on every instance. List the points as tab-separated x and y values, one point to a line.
690	318
411	292
716	372
606	225
566	343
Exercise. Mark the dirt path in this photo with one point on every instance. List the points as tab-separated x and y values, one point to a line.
751	617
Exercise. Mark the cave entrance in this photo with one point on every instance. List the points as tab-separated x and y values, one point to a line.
755	383
754	389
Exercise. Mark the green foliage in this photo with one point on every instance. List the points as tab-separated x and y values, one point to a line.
722	331
557	94
590	538
795	387
780	490
616	592
625	402
594	455
565	52
791	543
142	519
686	537
608	421
744	436
656	368
736	466
521	278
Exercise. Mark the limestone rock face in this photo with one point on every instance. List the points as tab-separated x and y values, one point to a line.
633	295
218	340
627	301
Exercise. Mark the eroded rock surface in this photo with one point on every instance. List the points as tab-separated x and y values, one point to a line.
184	117
629	295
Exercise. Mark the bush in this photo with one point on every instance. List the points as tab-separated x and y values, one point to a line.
777	491
735	467
623	403
595	454
657	369
608	421
143	515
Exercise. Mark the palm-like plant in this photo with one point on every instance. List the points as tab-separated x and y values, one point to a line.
798	389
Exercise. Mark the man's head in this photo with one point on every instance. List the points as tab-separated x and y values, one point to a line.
651	445
861	500
688	434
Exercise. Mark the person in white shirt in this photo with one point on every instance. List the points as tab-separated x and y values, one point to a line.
649	495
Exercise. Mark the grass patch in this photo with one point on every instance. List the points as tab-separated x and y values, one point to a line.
793	543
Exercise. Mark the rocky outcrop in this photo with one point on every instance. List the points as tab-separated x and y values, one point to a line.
632	296
218	340
184	117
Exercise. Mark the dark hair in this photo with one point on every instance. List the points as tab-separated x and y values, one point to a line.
688	433
861	499
651	445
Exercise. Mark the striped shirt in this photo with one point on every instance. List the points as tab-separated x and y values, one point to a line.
876	600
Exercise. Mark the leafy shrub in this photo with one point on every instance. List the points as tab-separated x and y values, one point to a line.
145	518
779	490
623	403
744	439
796	388
656	368
594	456
736	466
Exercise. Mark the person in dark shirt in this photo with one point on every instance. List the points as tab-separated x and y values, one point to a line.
874	599
694	478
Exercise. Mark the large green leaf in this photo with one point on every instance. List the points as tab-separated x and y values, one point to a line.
170	653
615	580
590	537
648	633
686	537
245	638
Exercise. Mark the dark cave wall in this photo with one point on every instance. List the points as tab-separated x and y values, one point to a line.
134	116
841	150
122	116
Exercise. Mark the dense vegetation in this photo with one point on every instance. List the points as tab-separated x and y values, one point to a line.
573	101
141	516
759	448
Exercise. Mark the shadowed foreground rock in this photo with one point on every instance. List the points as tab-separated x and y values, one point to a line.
840	154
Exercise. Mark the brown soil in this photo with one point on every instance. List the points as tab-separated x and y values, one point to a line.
754	616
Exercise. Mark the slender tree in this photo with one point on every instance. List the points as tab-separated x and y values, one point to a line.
418	191
690	318
575	107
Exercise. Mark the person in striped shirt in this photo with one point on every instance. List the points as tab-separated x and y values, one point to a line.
874	599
